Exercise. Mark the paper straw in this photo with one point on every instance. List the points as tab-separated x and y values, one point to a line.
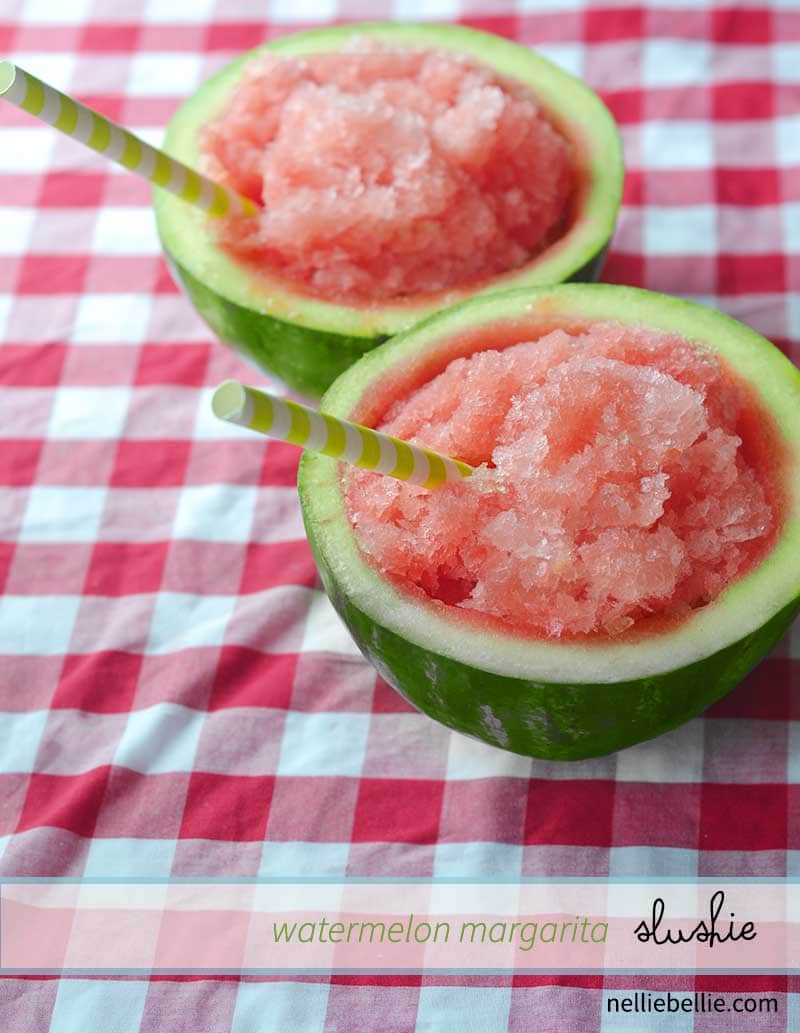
341	439
111	140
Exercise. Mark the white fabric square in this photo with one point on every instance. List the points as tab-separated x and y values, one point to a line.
89	412
675	62
31	624
548	6
278	1007
297	859
404	10
677	145
786	62
61	514
125	231
470	758
83	1004
478	860
302	10
26	148
674	757
787	130
680	230
20	735
793	312
325	631
56	69
791	227
17	226
6	301
164	75
42	12
556	6
200	12
323	744
160	739
185	621
215	513
152	134
110	318
130	858
480	1008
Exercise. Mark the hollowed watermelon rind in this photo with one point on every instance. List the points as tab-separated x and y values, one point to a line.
307	341
548	699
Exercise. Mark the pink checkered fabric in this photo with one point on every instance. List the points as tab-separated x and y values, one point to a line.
176	695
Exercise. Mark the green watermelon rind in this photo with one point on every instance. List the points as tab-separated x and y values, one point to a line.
555	720
305	359
544	699
308	342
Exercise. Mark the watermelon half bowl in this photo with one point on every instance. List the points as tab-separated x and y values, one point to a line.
307	340
534	695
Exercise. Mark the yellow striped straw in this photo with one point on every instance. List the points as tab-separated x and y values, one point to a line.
92	129
341	439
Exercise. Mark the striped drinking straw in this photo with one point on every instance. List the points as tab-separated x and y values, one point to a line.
90	128
332	436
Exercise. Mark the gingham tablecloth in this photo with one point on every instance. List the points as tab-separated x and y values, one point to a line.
177	695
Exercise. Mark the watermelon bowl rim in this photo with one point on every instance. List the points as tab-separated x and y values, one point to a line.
187	234
560	700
